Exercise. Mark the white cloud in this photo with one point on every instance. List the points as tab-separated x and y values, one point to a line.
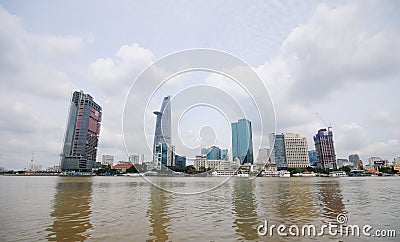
33	63
384	118
24	132
114	76
117	74
340	45
354	42
34	81
58	47
352	138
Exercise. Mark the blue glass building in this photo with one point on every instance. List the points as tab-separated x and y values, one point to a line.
224	154
215	153
312	154
180	161
278	155
163	151
242	141
163	123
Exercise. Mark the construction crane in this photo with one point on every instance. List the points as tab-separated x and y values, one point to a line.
327	125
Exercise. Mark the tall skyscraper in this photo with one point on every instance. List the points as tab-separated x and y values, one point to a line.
82	133
242	141
163	123
163	150
325	149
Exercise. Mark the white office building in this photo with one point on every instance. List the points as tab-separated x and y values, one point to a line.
296	151
201	162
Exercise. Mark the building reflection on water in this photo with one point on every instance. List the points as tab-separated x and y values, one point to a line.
307	201
296	200
72	209
244	208
159	214
330	199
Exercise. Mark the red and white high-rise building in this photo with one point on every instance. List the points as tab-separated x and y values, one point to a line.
82	133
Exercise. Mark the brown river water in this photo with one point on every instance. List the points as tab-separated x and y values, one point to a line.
216	209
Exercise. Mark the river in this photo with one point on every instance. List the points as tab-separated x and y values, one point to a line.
198	209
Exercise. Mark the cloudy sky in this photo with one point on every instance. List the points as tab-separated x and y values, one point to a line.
340	59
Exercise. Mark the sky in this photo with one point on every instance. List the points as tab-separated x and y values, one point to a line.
339	59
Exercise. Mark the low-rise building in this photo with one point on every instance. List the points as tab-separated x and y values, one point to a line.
54	169
377	162
270	166
201	162
122	167
396	164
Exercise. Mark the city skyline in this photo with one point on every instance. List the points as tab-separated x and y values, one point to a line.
351	82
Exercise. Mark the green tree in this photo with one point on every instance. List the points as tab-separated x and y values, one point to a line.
388	170
132	169
345	169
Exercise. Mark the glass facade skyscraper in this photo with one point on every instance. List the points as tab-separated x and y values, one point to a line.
164	155
312	154
242	141
278	155
163	151
163	123
215	153
82	133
